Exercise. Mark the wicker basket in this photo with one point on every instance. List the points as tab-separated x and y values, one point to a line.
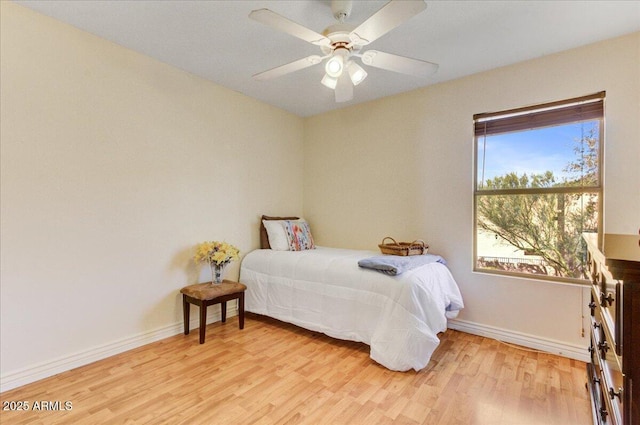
417	247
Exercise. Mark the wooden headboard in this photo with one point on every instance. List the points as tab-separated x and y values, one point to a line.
264	238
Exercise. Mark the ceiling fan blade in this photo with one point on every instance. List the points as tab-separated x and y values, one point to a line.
399	64
344	88
279	22
288	68
384	20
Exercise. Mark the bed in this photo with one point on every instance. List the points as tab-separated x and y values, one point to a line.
325	290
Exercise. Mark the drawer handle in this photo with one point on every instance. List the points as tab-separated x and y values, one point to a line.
603	346
608	299
597	325
592	306
603	414
613	393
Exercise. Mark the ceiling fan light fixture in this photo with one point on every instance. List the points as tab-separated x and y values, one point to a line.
329	81
335	66
356	73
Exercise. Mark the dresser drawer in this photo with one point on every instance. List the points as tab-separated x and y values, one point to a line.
599	408
607	367
611	303
607	303
612	384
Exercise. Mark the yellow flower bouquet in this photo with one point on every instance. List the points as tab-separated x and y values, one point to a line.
218	255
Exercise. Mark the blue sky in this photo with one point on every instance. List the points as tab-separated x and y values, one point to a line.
533	151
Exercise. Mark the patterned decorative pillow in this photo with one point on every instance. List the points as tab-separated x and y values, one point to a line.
298	235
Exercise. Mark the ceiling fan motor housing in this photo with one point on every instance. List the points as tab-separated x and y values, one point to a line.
340	36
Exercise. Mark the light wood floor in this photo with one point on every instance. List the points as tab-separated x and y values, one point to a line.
275	373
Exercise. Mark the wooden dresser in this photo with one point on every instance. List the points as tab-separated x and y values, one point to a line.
615	329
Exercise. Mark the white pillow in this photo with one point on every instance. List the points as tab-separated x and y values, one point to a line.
278	240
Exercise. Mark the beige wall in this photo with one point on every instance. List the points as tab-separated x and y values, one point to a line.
113	167
403	167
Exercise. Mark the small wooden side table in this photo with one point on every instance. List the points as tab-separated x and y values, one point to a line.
205	294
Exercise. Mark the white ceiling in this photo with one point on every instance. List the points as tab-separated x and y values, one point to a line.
217	41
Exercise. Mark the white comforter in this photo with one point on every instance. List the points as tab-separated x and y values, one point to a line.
324	290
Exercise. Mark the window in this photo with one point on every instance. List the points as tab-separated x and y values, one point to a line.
538	187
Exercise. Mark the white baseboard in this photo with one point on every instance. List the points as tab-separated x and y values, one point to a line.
576	352
43	370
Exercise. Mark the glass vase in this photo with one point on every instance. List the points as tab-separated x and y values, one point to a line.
216	273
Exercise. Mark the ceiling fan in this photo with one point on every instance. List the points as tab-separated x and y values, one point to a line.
341	43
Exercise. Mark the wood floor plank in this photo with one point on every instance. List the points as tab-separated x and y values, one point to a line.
276	373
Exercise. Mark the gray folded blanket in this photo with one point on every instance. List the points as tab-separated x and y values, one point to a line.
396	264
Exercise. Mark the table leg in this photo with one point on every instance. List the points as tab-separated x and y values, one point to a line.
223	310
241	310
185	313
203	321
